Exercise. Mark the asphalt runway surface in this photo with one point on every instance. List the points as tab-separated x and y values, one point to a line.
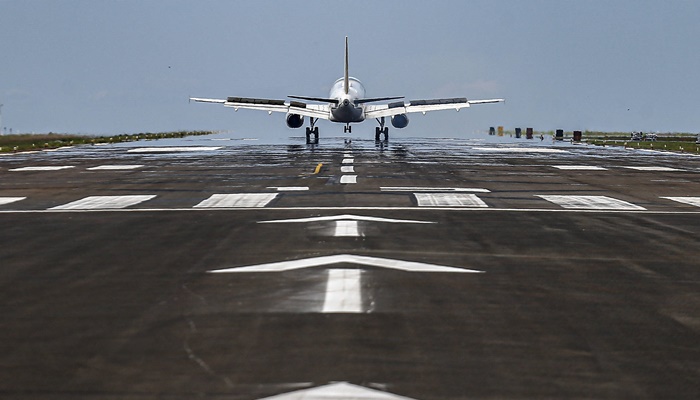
422	268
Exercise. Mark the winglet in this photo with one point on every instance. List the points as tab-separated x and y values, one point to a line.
347	80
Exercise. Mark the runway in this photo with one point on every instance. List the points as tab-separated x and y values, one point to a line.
420	269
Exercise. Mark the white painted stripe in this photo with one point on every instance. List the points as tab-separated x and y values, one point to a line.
660	169
343	291
289	188
104	202
346	217
591	202
348	160
237	200
430	189
172	149
448	200
347	155
46	168
346	229
519	149
693	201
348	179
347	169
580	167
337	391
410	266
8	200
114	167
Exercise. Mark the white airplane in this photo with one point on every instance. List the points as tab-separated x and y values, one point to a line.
346	104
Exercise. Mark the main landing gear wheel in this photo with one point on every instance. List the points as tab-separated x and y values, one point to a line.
381	130
378	134
313	129
313	132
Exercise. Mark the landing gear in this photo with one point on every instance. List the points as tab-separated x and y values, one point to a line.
347	129
312	130
381	130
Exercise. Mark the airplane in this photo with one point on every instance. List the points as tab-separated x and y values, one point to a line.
345	104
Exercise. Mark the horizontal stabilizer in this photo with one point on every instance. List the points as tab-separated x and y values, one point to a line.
323	100
373	99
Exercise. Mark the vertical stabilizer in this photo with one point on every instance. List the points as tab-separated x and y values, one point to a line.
346	85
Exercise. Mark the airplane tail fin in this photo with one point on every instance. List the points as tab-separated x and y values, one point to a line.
347	80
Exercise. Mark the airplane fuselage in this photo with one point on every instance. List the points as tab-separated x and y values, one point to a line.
346	111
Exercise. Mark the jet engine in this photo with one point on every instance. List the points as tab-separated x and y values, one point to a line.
399	121
295	120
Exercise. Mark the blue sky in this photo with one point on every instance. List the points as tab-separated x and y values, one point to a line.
129	66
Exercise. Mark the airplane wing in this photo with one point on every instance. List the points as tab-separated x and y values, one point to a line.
294	107
400	107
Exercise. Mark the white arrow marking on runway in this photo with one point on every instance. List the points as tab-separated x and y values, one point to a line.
693	201
46	168
346	217
104	202
338	391
410	266
343	291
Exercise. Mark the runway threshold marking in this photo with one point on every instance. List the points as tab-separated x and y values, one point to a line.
590	202
346	229
337	391
237	200
104	202
448	200
348	179
114	167
8	200
410	266
693	201
42	168
343	291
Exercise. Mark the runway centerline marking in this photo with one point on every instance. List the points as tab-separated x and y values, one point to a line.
114	167
172	149
448	200
346	169
430	189
346	217
658	169
693	201
42	168
289	188
8	200
343	291
237	200
348	160
337	391
580	167
348	179
591	202
104	202
519	149
281	266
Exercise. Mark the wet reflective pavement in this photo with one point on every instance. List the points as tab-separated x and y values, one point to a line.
430	269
